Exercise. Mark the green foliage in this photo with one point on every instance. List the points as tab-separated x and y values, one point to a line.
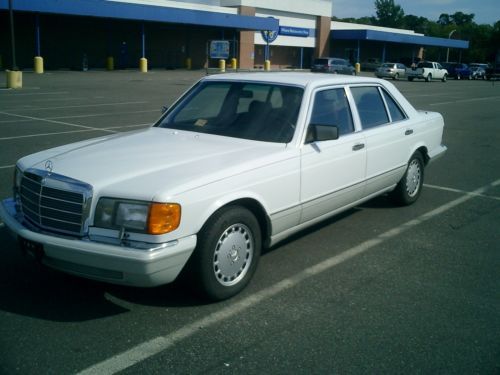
484	40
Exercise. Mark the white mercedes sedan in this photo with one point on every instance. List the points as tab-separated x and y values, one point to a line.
238	163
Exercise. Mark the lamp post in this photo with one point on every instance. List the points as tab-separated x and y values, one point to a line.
448	50
12	37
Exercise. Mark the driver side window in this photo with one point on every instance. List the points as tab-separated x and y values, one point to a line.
332	108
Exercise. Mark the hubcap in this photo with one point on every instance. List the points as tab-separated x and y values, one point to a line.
233	254
413	178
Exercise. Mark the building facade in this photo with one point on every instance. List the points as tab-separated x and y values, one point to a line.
177	34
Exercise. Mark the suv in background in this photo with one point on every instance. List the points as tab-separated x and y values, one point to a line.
333	65
457	70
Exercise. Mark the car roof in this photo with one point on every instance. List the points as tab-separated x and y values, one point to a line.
293	78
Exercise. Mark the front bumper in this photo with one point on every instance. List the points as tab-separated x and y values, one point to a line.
104	262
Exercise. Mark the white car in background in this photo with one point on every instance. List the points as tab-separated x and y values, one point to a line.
239	162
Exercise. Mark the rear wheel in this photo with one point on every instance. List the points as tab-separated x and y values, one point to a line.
428	78
227	253
396	77
444	78
409	187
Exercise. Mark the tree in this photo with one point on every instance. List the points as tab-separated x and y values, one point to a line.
444	19
459	18
388	14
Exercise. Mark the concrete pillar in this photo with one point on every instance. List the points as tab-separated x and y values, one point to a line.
14	79
322	36
222	65
110	63
247	46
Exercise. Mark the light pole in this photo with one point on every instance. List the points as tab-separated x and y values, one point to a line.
448	50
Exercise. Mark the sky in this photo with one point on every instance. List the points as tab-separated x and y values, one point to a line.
486	11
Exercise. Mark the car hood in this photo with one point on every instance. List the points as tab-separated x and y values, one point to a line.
156	162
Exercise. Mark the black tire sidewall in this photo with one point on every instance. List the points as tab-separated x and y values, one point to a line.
202	259
400	194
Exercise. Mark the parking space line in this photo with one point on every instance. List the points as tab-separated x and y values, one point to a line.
38	93
55	122
466	100
7	166
461	191
159	344
76	106
84	116
109	129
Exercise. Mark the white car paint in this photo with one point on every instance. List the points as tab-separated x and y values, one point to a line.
296	184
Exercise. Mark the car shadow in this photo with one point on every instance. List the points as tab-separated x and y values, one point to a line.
31	289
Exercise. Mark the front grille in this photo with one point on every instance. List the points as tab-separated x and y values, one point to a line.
55	203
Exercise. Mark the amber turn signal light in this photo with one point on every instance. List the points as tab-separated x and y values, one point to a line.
163	218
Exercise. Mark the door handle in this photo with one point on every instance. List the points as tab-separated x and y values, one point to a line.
358	146
409	131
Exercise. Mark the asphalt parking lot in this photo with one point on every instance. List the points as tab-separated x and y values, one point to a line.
378	289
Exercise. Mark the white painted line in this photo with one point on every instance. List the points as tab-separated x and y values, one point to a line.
85	116
7	166
39	93
106	114
461	191
152	347
55	122
74	131
466	100
76	106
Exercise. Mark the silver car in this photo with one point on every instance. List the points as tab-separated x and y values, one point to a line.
391	70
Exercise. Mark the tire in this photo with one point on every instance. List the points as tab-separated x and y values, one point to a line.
408	189
410	79
227	253
458	77
444	78
428	78
396	77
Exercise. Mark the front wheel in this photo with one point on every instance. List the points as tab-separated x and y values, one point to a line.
227	253
396	77
428	78
409	187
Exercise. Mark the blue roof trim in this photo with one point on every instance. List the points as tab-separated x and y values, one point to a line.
383	36
112	9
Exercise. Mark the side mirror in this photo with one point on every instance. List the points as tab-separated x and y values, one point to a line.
164	109
318	133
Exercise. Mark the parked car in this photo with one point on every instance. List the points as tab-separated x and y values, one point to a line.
427	70
370	64
391	70
457	70
238	163
333	65
478	72
493	72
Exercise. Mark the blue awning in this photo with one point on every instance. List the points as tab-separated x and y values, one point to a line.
382	36
140	12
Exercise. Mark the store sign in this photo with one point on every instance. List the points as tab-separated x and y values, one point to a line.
294	31
219	49
269	36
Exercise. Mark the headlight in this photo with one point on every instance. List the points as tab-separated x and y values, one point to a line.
137	216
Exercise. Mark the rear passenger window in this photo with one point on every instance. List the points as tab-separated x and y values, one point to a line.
370	106
396	112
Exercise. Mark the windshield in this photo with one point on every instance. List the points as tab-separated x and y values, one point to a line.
256	111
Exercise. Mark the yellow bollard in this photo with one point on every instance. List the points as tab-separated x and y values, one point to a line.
38	64
143	65
222	65
357	67
267	65
234	63
110	63
189	63
14	79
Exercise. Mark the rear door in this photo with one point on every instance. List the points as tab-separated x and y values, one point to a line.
332	172
388	136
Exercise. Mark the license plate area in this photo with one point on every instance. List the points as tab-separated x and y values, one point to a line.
31	248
